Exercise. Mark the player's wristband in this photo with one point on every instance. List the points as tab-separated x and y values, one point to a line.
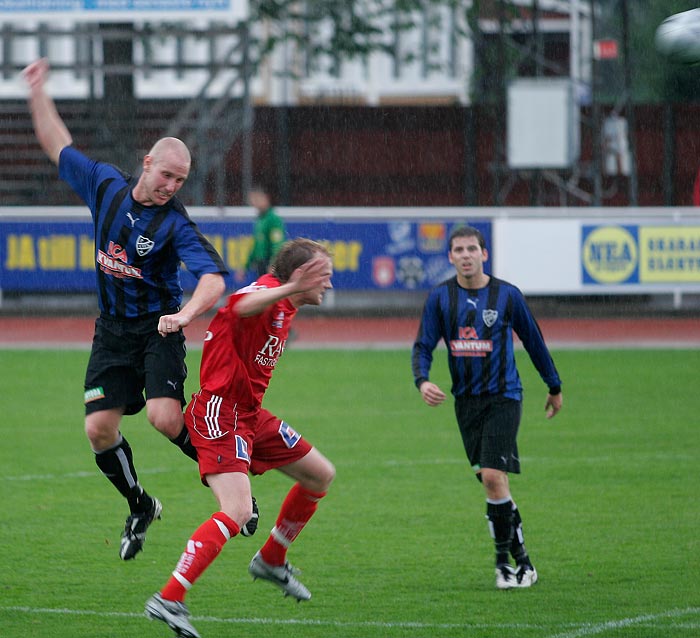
556	389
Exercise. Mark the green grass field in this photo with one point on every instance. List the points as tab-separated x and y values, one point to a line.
400	547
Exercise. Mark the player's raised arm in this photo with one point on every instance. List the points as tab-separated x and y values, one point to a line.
312	274
50	130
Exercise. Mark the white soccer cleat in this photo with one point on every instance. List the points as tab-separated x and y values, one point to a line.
172	613
526	575
506	577
283	576
509	577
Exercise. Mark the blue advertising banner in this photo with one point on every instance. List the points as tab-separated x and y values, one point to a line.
123	10
58	256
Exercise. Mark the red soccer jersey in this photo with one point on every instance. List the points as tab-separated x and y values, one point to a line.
240	353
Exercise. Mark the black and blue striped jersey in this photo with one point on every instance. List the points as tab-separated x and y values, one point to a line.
477	327
138	249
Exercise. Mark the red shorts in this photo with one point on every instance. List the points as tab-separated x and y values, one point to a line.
231	441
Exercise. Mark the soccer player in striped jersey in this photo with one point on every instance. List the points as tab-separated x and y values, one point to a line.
235	435
142	233
476	314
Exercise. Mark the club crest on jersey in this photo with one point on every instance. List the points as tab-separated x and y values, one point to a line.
144	245
490	317
278	321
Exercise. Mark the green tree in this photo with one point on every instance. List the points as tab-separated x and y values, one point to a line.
341	29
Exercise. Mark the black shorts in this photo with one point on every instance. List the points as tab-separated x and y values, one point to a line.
489	428
130	356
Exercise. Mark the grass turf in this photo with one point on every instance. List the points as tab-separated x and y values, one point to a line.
399	548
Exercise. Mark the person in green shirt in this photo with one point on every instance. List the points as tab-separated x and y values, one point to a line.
268	234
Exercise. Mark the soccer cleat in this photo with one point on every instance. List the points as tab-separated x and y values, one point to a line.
526	575
281	575
134	534
508	577
172	613
252	525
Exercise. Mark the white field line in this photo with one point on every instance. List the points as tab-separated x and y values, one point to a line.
89	474
642	457
311	622
646	620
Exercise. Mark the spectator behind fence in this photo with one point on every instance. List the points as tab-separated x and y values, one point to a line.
268	235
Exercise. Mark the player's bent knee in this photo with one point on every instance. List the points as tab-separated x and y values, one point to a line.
325	477
240	515
330	477
240	512
167	419
495	481
101	434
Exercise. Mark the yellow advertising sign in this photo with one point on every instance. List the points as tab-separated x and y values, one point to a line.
669	254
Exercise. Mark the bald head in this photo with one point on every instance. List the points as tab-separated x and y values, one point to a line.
165	169
171	149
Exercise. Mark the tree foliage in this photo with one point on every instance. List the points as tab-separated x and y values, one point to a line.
340	29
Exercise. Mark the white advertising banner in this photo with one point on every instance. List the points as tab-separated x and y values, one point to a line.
540	256
635	254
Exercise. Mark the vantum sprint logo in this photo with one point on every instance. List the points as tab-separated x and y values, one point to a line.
115	262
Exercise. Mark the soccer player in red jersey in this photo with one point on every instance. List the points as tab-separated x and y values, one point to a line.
234	435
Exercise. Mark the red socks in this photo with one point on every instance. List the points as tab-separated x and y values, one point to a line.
210	537
298	507
202	548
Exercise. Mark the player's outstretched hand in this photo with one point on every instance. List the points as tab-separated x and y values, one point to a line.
36	73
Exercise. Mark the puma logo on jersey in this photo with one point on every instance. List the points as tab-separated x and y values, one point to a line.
132	219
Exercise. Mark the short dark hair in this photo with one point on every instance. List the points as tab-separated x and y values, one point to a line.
259	187
293	254
468	231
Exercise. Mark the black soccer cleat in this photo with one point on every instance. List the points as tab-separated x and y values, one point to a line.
252	525
134	534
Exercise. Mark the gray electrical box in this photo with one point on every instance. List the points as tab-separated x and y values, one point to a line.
543	123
